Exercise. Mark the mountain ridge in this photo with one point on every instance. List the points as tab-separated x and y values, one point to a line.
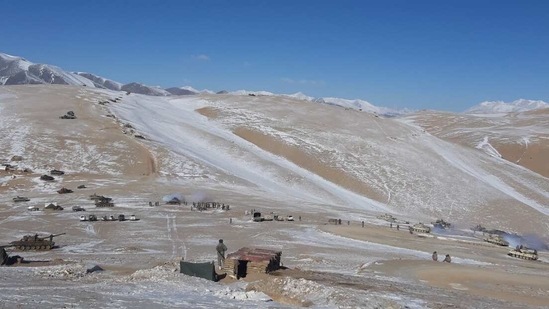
15	70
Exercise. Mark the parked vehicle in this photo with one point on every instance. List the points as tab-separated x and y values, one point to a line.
18	199
78	208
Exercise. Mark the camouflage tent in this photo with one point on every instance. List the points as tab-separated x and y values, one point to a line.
202	270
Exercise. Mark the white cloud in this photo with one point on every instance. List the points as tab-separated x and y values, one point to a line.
201	57
303	81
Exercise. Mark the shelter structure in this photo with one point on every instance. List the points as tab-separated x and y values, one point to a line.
204	270
252	260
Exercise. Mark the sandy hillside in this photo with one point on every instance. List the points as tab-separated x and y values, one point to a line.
273	154
520	138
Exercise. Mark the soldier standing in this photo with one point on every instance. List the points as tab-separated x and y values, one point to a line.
221	249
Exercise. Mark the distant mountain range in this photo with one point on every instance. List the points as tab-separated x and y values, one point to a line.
19	71
500	107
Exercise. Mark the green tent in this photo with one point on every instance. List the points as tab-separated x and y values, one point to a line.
203	270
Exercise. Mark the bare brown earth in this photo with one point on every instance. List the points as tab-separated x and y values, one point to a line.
469	130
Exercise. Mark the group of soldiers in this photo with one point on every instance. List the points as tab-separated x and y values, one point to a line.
200	206
447	258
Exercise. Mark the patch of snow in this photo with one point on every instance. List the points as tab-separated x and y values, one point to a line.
488	148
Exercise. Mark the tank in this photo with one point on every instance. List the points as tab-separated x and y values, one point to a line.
440	223
57	172
496	239
35	242
420	228
64	190
524	253
387	217
47	178
21	199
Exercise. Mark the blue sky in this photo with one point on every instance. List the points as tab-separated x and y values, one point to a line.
446	55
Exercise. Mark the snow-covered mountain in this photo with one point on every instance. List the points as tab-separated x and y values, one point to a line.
144	89
18	71
101	82
180	91
499	107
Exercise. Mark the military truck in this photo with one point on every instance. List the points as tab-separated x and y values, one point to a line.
78	208
440	223
524	253
104	202
35	242
496	239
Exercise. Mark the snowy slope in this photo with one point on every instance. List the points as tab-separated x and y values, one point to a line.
18	71
364	163
518	137
498	107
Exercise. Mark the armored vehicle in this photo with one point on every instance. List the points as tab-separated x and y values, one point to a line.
496	239
420	228
387	217
6	260
441	224
20	199
174	201
524	253
47	178
104	202
77	208
257	217
52	206
64	191
35	242
57	172
81	187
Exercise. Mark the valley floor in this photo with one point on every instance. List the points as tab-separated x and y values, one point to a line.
347	265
